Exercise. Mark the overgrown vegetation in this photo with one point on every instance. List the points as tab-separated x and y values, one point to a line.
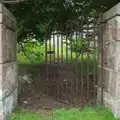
36	18
31	52
79	45
40	13
89	113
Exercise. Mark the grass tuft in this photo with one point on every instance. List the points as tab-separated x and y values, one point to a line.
89	113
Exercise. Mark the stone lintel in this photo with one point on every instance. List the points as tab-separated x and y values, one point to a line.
109	14
7	13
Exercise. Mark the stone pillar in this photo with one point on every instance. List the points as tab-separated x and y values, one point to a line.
8	64
111	60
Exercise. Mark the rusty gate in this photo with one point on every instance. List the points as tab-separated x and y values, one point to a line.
71	62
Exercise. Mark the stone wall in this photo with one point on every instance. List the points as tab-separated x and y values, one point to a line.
111	60
8	64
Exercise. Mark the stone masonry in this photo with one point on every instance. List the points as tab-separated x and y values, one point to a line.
8	64
111	60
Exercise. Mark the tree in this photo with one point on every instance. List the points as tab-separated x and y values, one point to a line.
34	17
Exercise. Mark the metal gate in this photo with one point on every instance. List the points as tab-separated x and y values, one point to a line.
71	62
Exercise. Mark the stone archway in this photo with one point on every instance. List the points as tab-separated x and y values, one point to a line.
111	61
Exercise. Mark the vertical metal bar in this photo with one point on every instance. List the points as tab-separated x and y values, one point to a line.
66	25
82	63
50	48
54	45
97	56
57	44
71	42
88	62
62	84
76	65
95	63
71	49
66	49
58	48
53	86
61	49
66	43
102	84
67	82
46	74
49	81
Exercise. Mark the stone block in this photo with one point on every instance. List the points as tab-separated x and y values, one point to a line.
99	55
111	56
7	105
109	101
115	10
118	90
99	76
111	30
112	103
112	83
99	95
7	13
7	22
117	80
117	27
8	78
106	56
117	56
117	109
107	36
106	78
8	45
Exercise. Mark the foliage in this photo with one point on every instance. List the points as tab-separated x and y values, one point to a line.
31	52
83	53
81	63
79	45
34	16
89	113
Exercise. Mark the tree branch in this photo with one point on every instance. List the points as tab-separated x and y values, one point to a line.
25	53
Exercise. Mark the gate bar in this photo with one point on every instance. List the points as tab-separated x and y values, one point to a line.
82	64
88	63
95	62
58	48
54	47
102	84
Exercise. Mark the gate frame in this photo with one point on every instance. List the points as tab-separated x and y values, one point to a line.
77	32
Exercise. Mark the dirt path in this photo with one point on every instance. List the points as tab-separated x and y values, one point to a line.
36	101
34	97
